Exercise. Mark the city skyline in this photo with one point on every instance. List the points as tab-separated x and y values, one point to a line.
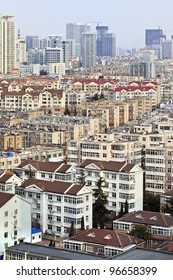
128	20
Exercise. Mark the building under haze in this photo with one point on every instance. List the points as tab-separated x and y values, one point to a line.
106	42
53	55
74	32
153	38
88	49
7	44
32	42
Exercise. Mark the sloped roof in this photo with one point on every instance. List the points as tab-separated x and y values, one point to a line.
5	197
106	237
5	176
148	218
109	165
49	166
58	187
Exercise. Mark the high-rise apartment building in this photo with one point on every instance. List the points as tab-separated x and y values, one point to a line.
36	56
166	49
88	49
32	42
53	55
65	49
20	50
106	42
74	32
7	44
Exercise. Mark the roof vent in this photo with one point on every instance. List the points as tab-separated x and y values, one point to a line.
108	236
139	216
153	218
91	234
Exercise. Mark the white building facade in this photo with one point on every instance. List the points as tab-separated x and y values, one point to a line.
15	222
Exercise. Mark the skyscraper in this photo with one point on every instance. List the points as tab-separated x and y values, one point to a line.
88	49
20	50
106	42
32	42
74	32
53	55
7	44
153	38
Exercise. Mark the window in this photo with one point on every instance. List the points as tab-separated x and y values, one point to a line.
6	224
37	215
5	234
29	194
58	229
89	248
6	213
58	198
58	218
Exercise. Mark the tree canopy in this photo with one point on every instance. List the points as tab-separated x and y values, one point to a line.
141	231
99	206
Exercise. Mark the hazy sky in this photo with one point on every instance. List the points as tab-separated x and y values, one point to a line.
127	18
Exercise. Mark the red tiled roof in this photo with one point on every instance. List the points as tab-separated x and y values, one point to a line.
132	89
144	83
109	165
5	176
106	237
42	166
53	187
5	197
63	168
148	218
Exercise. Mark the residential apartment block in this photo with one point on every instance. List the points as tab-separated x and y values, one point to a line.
33	100
104	147
56	205
158	165
123	182
15	222
10	142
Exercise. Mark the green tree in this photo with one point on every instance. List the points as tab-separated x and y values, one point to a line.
121	212
67	111
168	208
126	207
151	202
81	178
99	206
71	233
141	231
82	223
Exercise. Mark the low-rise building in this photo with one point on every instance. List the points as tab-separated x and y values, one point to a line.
102	242
159	225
